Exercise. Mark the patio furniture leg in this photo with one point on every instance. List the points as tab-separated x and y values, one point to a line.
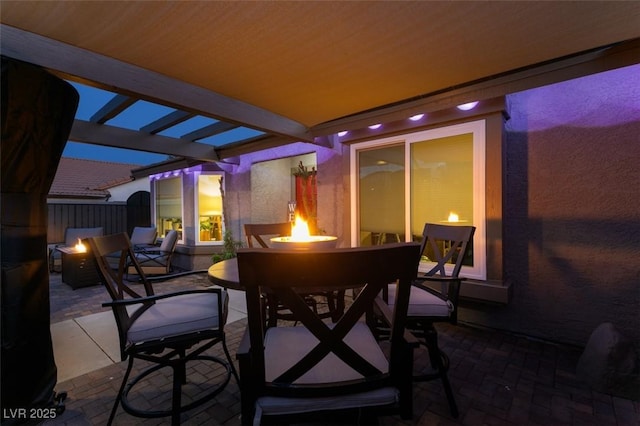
179	378
440	363
119	396
228	355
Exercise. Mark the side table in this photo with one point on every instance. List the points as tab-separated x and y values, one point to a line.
78	268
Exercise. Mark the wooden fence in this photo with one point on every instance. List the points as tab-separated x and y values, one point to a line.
112	217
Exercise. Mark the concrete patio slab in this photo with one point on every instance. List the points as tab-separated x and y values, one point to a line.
75	352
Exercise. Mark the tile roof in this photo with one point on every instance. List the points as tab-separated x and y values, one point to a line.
79	178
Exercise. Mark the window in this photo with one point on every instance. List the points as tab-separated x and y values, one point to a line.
168	205
438	176
209	217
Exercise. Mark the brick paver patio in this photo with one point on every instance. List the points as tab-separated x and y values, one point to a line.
498	379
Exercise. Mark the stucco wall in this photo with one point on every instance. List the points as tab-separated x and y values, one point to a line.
238	197
572	209
571	232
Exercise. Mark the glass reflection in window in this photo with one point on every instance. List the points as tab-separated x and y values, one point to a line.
210	208
169	205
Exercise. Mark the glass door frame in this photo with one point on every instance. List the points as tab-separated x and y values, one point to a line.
478	129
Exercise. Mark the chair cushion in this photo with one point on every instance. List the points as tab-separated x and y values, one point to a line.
178	315
284	346
142	235
280	354
423	304
169	241
271	405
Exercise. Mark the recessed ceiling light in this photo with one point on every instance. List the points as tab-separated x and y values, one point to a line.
468	106
342	133
416	117
375	126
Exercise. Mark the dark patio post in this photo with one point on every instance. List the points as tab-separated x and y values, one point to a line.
37	114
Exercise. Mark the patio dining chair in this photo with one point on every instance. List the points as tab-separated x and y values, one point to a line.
290	373
261	232
143	237
444	248
167	330
157	260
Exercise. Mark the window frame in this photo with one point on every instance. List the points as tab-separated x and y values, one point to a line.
166	176
196	206
478	129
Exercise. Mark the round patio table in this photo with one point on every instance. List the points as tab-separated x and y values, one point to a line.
225	274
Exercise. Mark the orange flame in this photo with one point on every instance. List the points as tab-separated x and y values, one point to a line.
80	248
300	230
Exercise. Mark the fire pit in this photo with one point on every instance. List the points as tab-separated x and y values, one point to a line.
301	239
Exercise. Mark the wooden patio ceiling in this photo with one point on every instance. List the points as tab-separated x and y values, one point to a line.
302	71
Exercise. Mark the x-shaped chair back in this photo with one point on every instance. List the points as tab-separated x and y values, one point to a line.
290	273
444	243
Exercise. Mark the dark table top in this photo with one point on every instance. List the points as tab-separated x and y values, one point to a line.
225	274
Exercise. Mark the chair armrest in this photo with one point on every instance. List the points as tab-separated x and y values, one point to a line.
147	299
418	282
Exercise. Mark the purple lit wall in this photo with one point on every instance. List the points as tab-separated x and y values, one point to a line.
571	222
330	187
572	209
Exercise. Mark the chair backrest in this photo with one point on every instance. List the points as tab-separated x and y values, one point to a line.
446	244
113	279
72	235
259	230
169	242
291	273
144	235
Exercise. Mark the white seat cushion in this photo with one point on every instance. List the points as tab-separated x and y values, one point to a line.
141	235
423	304
284	346
178	315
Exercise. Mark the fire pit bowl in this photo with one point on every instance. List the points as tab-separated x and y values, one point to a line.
312	242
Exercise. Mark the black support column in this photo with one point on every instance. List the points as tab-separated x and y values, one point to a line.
37	114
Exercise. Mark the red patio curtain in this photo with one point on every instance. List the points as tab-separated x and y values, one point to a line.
307	199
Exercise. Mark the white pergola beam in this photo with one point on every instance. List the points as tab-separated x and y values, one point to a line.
138	82
117	137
